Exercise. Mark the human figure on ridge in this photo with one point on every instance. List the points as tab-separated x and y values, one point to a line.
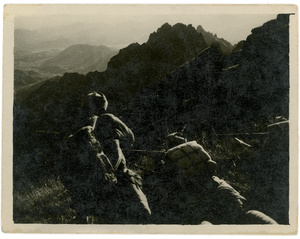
109	190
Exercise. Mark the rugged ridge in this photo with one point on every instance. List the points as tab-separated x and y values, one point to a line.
221	93
139	66
213	40
215	94
241	84
261	78
133	68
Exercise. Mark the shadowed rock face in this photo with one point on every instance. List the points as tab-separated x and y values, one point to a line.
139	66
226	93
233	93
261	79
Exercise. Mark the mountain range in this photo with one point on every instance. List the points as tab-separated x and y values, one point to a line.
43	56
30	40
65	35
33	68
140	67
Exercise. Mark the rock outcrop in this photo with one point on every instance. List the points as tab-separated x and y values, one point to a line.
213	40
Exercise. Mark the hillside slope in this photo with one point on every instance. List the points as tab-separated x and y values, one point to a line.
82	58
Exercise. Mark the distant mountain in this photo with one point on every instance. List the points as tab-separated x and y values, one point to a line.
31	61
37	41
213	40
63	36
81	58
29	73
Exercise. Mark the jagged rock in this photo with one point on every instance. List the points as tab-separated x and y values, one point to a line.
238	47
213	40
138	66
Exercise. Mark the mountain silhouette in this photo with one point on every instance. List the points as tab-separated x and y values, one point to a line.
223	92
213	40
217	94
133	68
139	67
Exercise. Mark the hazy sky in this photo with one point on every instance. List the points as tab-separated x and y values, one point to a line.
232	24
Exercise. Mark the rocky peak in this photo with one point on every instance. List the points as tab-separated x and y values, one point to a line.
166	49
171	34
251	84
238	47
213	40
164	28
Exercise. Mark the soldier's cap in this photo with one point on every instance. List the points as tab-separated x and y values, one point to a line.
96	98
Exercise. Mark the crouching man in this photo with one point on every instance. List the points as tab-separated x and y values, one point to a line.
196	195
103	187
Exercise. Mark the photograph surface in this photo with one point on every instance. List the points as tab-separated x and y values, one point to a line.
150	119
